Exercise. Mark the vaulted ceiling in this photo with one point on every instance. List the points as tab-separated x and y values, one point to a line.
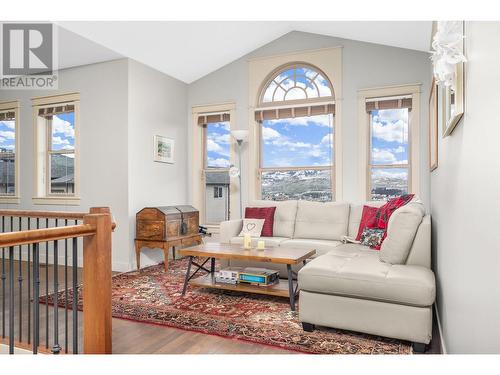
191	50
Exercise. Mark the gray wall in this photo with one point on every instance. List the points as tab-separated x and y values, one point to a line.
465	206
123	104
103	144
156	106
365	65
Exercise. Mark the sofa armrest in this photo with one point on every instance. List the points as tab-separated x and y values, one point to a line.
229	229
420	252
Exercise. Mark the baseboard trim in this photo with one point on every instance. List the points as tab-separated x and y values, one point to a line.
440	330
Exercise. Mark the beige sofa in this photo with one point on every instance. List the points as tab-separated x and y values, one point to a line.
347	286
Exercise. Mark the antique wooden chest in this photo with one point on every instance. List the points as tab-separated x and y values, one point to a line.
166	227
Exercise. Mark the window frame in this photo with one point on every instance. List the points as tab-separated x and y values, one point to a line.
291	104
43	145
13	105
326	60
365	140
198	162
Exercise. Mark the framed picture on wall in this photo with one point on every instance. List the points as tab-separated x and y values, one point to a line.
433	126
453	100
163	149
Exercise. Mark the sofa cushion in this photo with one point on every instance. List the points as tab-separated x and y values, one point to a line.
321	246
355	216
269	241
322	221
354	270
284	217
402	227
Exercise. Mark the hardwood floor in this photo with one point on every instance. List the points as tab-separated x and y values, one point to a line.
133	337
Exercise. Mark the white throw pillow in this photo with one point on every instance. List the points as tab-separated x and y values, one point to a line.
401	230
253	227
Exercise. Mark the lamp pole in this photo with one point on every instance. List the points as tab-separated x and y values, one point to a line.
240	141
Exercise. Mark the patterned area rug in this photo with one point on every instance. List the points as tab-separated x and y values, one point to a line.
153	296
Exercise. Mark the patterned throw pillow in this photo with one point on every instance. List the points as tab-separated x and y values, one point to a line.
372	237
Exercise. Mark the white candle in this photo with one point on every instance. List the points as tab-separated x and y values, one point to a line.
247	241
261	245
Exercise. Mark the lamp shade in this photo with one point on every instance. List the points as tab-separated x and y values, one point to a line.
240	135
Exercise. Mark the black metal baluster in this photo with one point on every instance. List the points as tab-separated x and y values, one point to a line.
36	296
29	288
3	281
20	281
56	349
11	300
75	294
47	289
66	291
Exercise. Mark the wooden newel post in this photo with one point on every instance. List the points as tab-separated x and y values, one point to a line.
97	283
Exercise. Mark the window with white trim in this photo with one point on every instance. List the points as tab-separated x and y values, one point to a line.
389	167
296	127
8	150
57	148
216	133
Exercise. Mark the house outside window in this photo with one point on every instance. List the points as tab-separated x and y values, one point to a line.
57	149
9	150
296	135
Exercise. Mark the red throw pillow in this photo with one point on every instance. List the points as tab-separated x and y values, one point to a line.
266	213
368	220
378	218
385	211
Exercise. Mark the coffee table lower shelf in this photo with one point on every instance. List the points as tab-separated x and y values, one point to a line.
279	289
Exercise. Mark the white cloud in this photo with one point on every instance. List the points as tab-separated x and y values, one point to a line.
60	126
213	146
219	162
220	138
327	139
320	120
383	156
391	132
269	133
398	150
7	134
60	141
8	124
291	145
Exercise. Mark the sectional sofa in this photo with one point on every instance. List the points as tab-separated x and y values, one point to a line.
348	286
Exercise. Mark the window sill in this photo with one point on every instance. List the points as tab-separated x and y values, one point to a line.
60	201
10	199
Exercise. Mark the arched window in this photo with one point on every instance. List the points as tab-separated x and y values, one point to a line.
296	82
296	116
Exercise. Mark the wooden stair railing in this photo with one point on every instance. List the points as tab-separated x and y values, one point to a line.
95	229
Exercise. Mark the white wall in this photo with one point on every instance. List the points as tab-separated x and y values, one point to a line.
465	206
365	65
103	141
156	106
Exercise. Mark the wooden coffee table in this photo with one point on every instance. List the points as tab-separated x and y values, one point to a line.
212	251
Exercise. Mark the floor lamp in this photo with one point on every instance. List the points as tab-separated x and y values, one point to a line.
240	136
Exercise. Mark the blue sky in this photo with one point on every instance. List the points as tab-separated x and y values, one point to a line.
218	145
63	131
390	142
297	142
7	135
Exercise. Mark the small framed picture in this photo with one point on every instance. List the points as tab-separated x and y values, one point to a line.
163	149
